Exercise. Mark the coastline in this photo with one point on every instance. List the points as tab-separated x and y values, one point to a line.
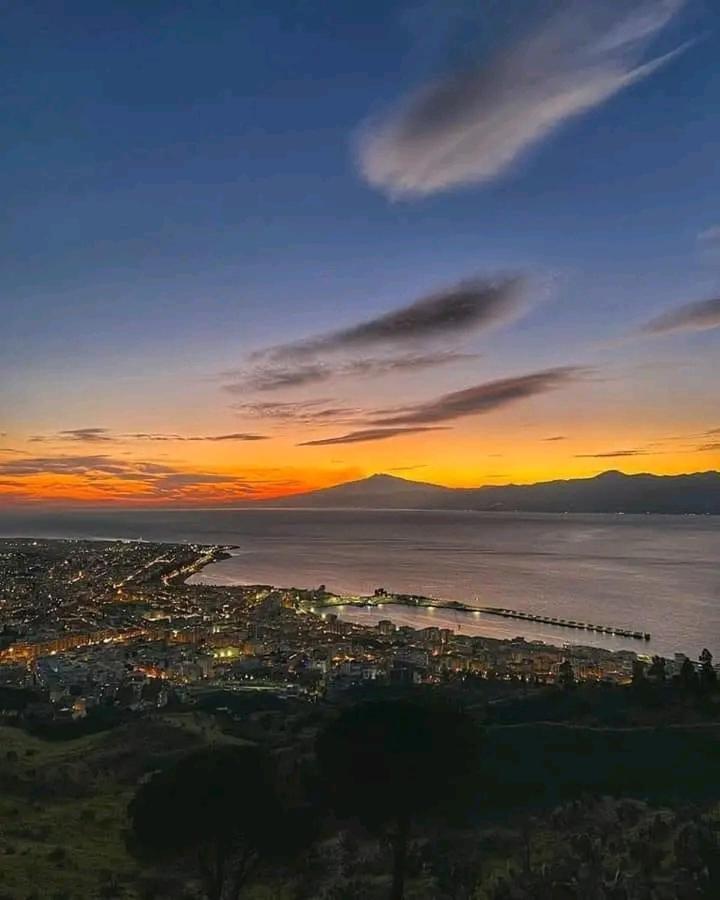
464	618
354	607
420	602
215	554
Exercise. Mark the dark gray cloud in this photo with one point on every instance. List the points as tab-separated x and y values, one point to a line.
317	411
104	435
86	435
712	447
71	464
185	479
472	125
557	437
277	377
147	478
470	305
408	468
482	398
702	315
274	378
281	409
366	434
609	454
233	436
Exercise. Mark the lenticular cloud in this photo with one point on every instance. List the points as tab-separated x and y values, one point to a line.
471	126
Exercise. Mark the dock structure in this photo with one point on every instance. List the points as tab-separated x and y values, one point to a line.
565	623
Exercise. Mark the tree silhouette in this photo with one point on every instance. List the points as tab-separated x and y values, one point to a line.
688	677
708	675
566	675
656	672
394	764
638	672
218	806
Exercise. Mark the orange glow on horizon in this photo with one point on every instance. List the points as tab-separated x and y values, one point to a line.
455	468
511	447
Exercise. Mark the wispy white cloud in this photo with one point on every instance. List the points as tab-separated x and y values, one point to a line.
472	125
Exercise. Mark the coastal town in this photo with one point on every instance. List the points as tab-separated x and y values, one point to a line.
91	624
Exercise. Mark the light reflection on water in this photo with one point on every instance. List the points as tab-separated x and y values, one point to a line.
650	573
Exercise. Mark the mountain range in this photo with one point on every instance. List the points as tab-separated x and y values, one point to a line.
610	492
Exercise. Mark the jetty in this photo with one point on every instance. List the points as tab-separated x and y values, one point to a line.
565	623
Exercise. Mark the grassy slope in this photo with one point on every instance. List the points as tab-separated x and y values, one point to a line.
88	828
73	795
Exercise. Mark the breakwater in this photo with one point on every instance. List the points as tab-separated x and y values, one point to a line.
565	623
420	602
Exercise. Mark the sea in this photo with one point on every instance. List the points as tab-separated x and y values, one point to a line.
659	574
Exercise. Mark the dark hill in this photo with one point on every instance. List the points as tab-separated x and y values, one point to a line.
610	492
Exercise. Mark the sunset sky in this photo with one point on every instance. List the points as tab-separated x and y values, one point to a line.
250	249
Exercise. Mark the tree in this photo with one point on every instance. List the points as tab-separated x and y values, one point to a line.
455	863
708	676
566	675
688	677
638	672
656	672
218	806
394	764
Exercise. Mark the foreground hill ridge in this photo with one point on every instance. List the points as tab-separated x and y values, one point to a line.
609	492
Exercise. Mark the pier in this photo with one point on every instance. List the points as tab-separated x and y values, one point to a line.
565	623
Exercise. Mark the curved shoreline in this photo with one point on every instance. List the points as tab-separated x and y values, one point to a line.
420	602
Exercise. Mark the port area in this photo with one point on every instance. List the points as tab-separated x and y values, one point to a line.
566	623
323	599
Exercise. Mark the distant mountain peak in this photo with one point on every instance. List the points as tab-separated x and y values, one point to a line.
610	492
379	478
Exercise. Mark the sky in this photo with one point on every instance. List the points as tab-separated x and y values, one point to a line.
251	249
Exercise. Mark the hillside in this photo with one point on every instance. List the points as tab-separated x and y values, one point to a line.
610	492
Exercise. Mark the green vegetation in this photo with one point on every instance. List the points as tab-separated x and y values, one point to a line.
528	793
395	765
62	819
63	808
216	813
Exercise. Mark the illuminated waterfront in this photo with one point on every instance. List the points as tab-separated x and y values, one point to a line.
650	573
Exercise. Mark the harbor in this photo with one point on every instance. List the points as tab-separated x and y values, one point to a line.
565	623
381	598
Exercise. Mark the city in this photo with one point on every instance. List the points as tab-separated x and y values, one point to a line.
113	669
360	450
90	623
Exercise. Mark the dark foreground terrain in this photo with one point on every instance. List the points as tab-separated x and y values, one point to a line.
574	789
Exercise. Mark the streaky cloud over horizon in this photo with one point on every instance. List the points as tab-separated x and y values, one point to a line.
254	251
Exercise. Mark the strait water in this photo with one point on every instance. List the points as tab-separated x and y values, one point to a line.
652	573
